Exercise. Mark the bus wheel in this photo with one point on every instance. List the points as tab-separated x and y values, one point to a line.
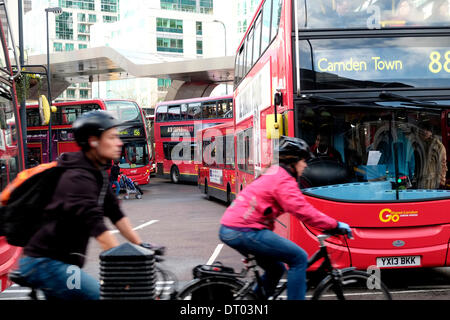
228	195
206	190
175	174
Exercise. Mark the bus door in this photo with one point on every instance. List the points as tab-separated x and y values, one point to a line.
35	152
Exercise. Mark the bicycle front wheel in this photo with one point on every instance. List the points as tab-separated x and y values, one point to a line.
215	289
353	285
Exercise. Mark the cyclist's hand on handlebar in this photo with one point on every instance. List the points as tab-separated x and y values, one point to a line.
341	229
344	228
159	250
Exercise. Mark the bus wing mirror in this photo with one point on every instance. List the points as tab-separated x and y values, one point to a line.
278	99
273	129
44	110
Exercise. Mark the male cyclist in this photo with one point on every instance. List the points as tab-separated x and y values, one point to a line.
54	255
248	223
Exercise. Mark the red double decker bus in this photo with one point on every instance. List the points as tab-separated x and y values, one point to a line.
216	174
11	143
136	154
176	124
366	84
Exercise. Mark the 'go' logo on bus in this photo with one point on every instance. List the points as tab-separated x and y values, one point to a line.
387	215
435	65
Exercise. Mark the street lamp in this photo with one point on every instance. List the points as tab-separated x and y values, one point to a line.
56	11
225	31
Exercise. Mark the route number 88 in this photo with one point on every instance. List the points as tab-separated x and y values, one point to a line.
435	64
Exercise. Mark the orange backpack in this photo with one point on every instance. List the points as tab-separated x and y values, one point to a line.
23	202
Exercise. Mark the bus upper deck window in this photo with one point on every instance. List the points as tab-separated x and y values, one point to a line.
194	111
161	113
174	113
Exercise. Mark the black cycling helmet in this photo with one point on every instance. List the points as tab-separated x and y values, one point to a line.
92	123
293	150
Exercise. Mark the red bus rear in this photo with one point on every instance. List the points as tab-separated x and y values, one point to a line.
135	159
176	124
369	91
216	174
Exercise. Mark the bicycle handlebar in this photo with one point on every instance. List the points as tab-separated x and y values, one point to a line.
338	232
158	250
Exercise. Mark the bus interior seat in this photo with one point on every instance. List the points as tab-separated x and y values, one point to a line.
324	171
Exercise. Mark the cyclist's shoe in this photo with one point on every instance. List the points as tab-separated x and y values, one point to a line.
159	250
16	277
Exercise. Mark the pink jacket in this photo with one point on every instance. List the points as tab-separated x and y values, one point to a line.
272	194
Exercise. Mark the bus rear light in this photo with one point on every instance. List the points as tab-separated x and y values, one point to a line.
336	240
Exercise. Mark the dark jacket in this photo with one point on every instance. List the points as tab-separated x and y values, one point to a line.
115	171
77	213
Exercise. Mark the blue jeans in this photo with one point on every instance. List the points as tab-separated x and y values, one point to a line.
117	184
271	251
59	280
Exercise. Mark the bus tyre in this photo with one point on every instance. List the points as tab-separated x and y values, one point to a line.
228	195
175	174
207	190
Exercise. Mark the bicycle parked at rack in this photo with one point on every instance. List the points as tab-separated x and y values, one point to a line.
217	282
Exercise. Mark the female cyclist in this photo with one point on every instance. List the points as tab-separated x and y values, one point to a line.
248	223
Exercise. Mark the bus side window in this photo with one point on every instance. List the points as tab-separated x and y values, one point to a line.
229	112
195	111
184	112
174	113
161	114
221	108
209	110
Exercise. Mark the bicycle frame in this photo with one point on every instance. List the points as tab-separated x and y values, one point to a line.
325	267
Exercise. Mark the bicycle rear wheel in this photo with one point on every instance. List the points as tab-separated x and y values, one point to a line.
355	285
215	289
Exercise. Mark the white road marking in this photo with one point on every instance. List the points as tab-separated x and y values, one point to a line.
140	226
215	254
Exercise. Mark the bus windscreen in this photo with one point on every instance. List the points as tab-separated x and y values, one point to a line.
123	110
364	63
370	14
374	153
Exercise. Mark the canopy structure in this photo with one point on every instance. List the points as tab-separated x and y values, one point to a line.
194	78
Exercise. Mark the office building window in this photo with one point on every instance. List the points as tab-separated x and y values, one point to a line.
169	25
57	46
202	6
83	37
199	47
83	28
206	6
84	94
70	47
109	5
169	45
164	84
82	46
109	19
80	4
64	26
199	27
70	93
81	17
92	18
